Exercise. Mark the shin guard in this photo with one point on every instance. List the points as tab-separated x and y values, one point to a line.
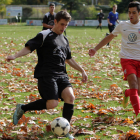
68	110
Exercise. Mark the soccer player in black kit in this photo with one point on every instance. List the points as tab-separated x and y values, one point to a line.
100	17
53	51
48	20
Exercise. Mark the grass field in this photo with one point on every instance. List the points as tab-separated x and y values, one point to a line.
98	114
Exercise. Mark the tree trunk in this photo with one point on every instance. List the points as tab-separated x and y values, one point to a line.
71	5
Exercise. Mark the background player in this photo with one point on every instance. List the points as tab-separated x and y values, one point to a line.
48	20
112	19
100	17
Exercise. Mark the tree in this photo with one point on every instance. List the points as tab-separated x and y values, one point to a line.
72	4
29	2
17	2
3	4
122	6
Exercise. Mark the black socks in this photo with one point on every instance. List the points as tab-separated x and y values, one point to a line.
40	104
36	105
68	111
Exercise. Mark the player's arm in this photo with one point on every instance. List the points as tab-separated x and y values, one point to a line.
117	21
22	52
45	21
47	26
108	20
101	44
76	66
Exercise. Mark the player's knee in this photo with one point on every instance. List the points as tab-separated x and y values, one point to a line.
139	92
51	104
133	85
71	98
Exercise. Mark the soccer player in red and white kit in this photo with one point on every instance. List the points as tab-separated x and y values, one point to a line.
129	54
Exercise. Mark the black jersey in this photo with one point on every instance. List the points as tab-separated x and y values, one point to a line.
100	15
52	50
48	19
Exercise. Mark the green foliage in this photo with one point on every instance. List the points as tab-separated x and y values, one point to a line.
122	6
27	11
85	12
123	16
3	4
30	2
72	5
17	2
112	2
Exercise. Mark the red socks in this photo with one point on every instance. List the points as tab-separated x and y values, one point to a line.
134	98
127	92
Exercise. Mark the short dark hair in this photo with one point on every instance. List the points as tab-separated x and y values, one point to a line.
63	15
134	4
115	5
51	4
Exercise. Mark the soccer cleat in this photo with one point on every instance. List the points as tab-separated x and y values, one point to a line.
125	100
107	34
17	114
138	118
69	136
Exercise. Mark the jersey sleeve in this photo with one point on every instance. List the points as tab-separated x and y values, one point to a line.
117	30
69	53
35	42
109	15
45	19
117	16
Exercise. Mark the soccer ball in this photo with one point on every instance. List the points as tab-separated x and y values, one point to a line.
60	126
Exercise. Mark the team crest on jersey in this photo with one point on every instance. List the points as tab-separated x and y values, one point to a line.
132	37
139	31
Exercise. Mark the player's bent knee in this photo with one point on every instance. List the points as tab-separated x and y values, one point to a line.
52	104
70	99
139	92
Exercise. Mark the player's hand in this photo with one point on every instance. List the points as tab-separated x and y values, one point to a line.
92	52
84	77
110	24
11	57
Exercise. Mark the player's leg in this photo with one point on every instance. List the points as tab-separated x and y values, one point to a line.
66	94
68	97
134	98
68	108
138	117
100	24
139	86
109	27
128	68
97	27
130	71
47	90
138	75
126	95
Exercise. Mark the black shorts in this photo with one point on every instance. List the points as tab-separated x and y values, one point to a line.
111	28
51	88
100	21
